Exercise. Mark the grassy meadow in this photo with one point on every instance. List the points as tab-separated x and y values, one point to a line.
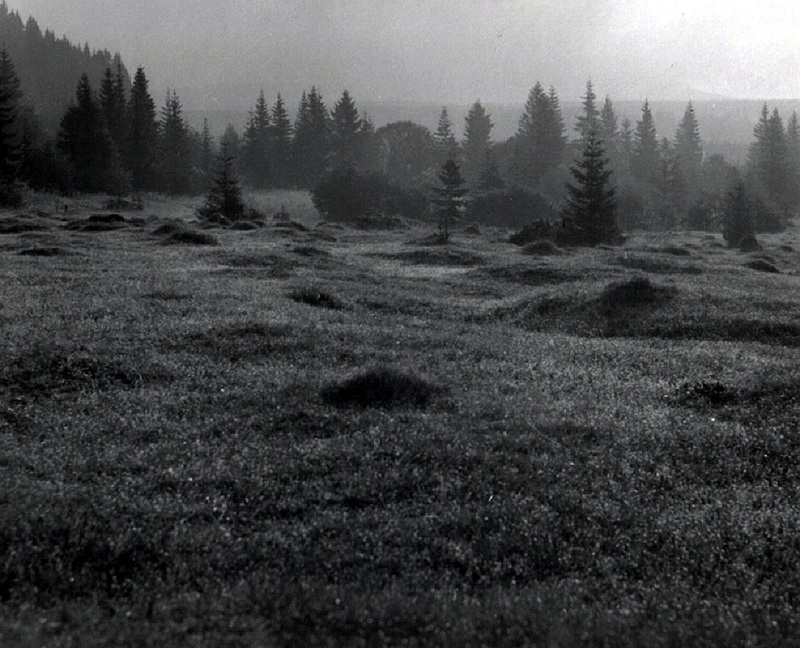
557	447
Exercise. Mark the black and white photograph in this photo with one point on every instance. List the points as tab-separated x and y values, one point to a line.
399	323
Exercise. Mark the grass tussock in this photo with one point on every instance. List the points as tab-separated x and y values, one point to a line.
762	265
381	387
315	297
542	247
190	237
45	251
632	294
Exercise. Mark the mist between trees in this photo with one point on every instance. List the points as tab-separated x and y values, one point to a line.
112	138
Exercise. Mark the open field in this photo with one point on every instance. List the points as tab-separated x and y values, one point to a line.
593	447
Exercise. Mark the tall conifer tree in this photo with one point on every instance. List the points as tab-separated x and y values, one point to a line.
311	143
689	154
590	119
174	147
590	212
281	146
645	147
141	138
346	139
477	140
444	137
256	143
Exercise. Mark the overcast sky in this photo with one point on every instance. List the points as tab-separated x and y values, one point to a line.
221	52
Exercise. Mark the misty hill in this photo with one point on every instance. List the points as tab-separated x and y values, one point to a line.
48	67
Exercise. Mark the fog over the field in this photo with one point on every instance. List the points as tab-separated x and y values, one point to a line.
218	53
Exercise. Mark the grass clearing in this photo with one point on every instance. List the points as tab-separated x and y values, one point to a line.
560	450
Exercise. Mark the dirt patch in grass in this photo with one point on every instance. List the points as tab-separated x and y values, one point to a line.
43	373
246	341
316	297
382	388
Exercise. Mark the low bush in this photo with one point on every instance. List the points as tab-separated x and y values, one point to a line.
762	266
349	196
531	232
510	208
639	291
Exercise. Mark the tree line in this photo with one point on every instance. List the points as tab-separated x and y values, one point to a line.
113	139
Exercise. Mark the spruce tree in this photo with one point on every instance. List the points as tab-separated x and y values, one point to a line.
346	140
645	147
449	199
113	104
141	138
85	141
224	201
540	141
206	148
793	158
445	139
281	145
174	147
10	95
490	178
311	142
689	155
477	140
255	145
769	161
737	217
609	132
589	214
625	150
669	185
590	119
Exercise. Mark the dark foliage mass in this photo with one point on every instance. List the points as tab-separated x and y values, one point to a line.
349	196
514	207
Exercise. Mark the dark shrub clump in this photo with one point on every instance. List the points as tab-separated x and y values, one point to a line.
542	247
381	387
347	195
532	232
510	208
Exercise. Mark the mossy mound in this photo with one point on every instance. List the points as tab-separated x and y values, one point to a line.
381	388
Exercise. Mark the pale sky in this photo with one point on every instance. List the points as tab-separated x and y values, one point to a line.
219	53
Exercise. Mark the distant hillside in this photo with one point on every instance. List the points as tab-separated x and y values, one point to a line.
49	67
